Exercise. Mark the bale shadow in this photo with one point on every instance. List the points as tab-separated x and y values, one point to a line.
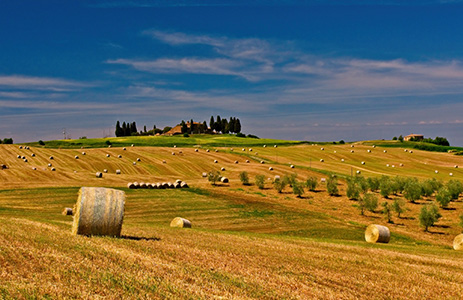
139	238
449	208
441	226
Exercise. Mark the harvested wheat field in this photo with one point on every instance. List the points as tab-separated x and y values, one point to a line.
246	243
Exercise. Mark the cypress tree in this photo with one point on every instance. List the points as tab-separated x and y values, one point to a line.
118	129
212	123
218	124
237	126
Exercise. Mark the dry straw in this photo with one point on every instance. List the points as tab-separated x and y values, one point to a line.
458	242
377	234
180	223
99	211
67	211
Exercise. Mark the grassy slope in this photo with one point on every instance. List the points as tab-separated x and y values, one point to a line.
246	243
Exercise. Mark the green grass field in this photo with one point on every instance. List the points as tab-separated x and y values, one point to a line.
245	242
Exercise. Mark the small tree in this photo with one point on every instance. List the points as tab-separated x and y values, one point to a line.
244	178
298	189
385	188
279	184
373	183
332	186
311	183
353	189
362	183
401	138
461	220
455	188
398	206
387	211
429	215
412	191
370	201
443	197
361	205
213	177
260	181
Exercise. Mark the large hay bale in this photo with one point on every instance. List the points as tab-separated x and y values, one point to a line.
99	175
224	180
458	242
184	185
377	234
180	223
51	157
99	211
136	185
118	172
222	169
53	169
130	185
204	174
67	211
105	171
76	157
177	185
107	155
142	185
33	154
3	167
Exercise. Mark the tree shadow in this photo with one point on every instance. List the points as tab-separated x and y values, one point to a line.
441	226
449	208
138	238
436	232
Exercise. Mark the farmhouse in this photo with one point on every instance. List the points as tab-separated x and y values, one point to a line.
178	129
414	137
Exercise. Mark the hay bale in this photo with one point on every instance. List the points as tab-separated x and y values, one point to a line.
401	164
292	166
270	169
107	155
180	223
23	157
393	166
411	151
99	211
124	149
374	146
165	185
76	157
216	150
358	172
170	185
236	161
34	168
134	163
369	151
177	185
119	156
99	175
224	180
243	149
20	147
215	161
130	185
222	169
458	242
196	150
250	149
118	172
405	150
131	145
49	165
184	185
322	149
275	146
173	153
351	151
352	146
83	153
178	181
247	161
19	156
204	174
53	169
342	159
385	151
105	171
323	180
456	166
109	146
3	167
377	234
262	162
387	165
142	185
436	171
138	159
33	154
67	211
450	174
175	146
321	160
159	186
207	150
51	157
25	160
164	162
363	162
136	185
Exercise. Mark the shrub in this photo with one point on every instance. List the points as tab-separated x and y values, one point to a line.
7	141
332	186
455	188
213	177
370	201
311	183
362	183
398	185
279	184
461	220
108	142
244	178
412	191
241	135
290	179
41	143
398	206
387	211
443	197
429	215
373	183
298	189
186	135
260	181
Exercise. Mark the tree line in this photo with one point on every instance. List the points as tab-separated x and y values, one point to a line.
6	141
219	125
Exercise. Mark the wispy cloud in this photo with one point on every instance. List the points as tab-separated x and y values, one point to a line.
38	83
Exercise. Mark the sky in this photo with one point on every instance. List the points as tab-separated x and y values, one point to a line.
299	70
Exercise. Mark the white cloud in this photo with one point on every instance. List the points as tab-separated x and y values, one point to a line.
39	83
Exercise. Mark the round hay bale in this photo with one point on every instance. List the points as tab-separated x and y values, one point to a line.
23	157
33	154
323	180
215	161
342	159
118	172
142	185
20	147
76	157
138	159
175	146
134	163
19	156
264	146
292	166
363	162
34	168
369	151
159	186
275	146
180	223
49	165
124	148
119	156
322	160
458	242
178	181
173	153
132	145
204	174
405	150
154	185
216	150
243	149
385	151
136	185
247	161
456	166
196	150
109	146
352	146
105	171
393	166
51	157
99	175
322	149
436	171
107	155
411	151
377	234
164	162
83	153
451	174
262	162
270	169
358	172
236	161
250	149
374	146
170	185
130	185
184	185
231	149
401	164
387	165
53	169
224	180
177	185
207	150
25	160
222	169
67	211
99	211
351	151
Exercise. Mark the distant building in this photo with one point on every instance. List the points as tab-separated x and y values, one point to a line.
178	129
414	137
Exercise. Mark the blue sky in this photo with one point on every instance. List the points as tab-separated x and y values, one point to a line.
303	70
